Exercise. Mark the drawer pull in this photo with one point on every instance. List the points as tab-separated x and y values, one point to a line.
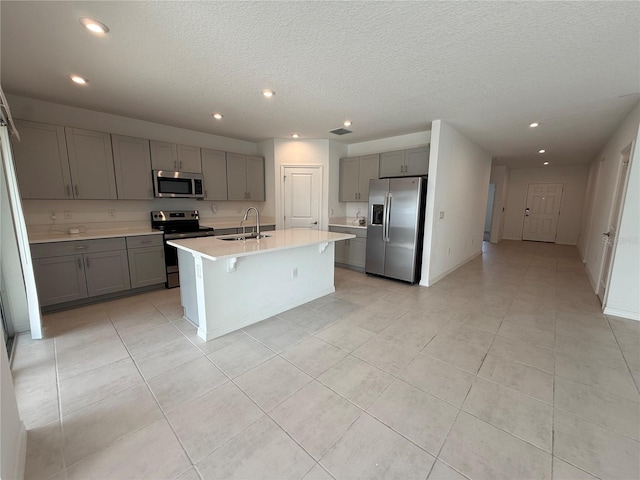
145	241
81	247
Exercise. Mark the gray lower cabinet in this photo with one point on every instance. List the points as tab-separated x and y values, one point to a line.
351	252
146	260
79	269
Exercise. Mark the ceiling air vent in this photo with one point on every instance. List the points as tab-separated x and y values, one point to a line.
340	131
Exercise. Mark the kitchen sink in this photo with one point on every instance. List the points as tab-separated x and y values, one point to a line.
247	236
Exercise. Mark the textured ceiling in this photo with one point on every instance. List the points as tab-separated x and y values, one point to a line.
488	68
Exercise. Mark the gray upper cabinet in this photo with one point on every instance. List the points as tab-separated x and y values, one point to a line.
214	170
41	160
175	158
164	155
392	164
255	178
355	173
245	177
417	161
91	164
132	163
189	159
405	163
349	179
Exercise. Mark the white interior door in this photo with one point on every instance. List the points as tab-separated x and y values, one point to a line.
542	211
609	238
302	188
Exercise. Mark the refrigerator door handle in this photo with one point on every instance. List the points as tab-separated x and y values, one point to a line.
387	217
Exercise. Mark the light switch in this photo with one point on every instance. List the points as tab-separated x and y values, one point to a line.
441	214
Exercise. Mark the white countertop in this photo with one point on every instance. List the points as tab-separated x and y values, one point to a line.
346	222
214	248
65	236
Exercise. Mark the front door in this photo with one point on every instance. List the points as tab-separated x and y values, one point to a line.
542	211
302	196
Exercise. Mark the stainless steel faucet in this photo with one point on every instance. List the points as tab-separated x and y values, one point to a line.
244	219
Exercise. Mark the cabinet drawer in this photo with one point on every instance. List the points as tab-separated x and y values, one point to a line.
358	232
140	241
57	249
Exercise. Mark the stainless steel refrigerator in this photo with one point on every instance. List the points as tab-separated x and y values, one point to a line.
395	227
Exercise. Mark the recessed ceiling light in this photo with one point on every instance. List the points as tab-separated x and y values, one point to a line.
542	150
217	116
78	79
546	163
295	135
94	26
347	123
534	125
268	93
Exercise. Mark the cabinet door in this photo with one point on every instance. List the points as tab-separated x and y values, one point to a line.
146	266
164	156
91	164
349	173
392	164
106	272
236	176
417	161
357	252
189	159
341	252
59	279
255	178
369	165
214	171
41	160
132	163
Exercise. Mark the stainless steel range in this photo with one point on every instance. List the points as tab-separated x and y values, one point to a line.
177	224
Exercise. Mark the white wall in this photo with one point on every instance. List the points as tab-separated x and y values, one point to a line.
13	436
574	179
604	189
400	142
267	150
302	152
458	185
499	177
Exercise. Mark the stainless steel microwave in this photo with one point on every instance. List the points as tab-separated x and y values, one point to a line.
168	184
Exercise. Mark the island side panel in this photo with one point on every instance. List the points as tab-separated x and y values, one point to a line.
264	285
188	293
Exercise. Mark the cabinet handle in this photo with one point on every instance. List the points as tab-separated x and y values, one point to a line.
81	247
87	262
180	165
68	190
145	241
75	188
79	264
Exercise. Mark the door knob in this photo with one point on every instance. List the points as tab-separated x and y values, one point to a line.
314	223
608	234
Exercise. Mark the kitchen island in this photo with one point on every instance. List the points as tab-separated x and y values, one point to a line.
229	284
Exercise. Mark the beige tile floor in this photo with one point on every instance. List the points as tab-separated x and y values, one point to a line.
504	369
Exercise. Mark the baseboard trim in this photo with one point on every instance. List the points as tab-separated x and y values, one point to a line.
616	312
21	453
430	282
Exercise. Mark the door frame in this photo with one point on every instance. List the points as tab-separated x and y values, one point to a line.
524	216
319	167
604	279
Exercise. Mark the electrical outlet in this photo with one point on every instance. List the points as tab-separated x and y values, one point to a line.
441	214
449	252
294	272
331	212
214	208
53	215
111	212
67	214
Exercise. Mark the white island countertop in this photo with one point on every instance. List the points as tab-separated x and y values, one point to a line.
214	248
